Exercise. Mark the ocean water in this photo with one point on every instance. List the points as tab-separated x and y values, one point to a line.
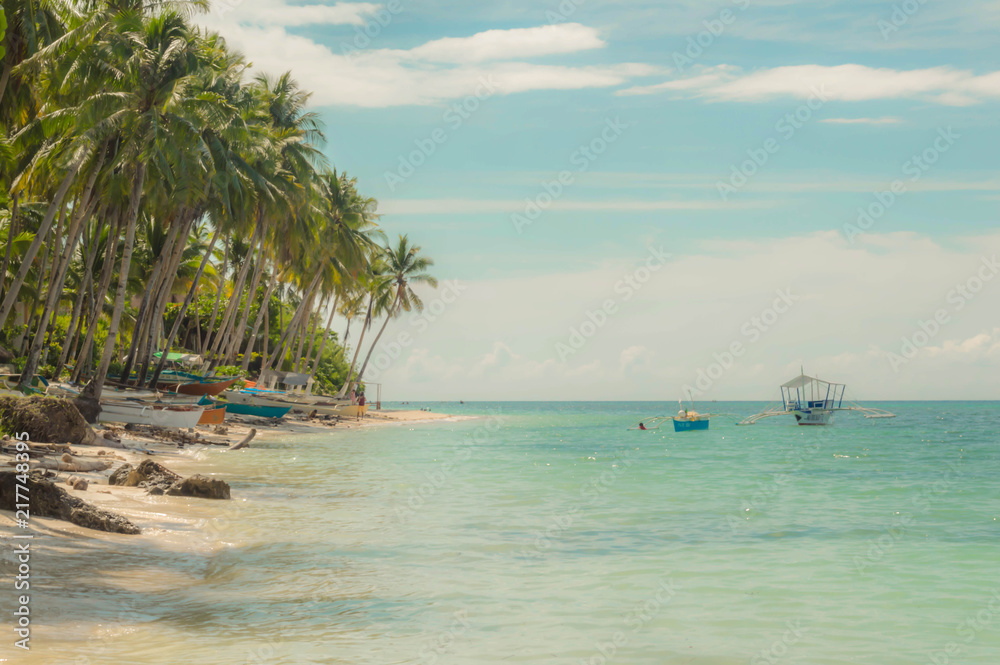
549	533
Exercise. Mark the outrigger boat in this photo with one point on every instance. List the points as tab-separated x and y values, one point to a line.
252	404
146	413
813	402
686	420
186	383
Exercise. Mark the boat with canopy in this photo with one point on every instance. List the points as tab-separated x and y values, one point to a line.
813	401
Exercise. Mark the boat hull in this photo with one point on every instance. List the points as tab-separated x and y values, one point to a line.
213	416
814	417
689	425
159	415
259	410
196	388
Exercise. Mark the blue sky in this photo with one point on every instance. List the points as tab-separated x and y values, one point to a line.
874	85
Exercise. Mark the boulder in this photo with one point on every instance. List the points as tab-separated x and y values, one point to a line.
120	474
45	419
201	487
45	499
151	474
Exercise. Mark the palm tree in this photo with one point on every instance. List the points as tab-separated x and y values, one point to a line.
405	267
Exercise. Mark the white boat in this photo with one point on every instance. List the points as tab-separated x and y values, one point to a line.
813	402
150	413
120	394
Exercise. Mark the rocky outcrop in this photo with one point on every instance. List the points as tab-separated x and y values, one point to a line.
47	500
45	419
158	479
201	487
148	474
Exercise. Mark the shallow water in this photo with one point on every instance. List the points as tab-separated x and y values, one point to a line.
548	533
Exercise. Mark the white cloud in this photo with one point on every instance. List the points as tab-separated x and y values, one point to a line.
271	13
485	63
944	85
510	44
856	304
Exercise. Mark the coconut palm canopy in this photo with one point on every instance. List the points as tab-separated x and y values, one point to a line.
159	195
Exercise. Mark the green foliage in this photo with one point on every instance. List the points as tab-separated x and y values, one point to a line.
3	31
229	370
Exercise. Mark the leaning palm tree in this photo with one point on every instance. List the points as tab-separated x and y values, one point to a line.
405	266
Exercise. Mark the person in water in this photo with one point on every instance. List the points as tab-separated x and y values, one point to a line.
641	426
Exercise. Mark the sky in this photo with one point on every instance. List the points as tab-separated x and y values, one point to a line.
639	200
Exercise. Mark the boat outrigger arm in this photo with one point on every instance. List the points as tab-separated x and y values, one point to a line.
813	402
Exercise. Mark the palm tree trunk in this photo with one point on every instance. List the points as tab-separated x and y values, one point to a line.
391	313
184	307
11	234
218	296
348	383
43	230
96	385
225	328
293	325
304	331
261	316
75	318
160	297
99	295
312	340
56	279
326	336
237	338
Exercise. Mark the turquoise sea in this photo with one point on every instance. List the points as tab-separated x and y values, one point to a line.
549	533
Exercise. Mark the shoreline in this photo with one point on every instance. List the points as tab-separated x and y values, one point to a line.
172	520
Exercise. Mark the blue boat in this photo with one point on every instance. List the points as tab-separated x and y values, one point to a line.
255	410
691	422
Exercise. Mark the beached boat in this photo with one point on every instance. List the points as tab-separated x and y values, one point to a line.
813	402
150	413
213	416
186	383
249	403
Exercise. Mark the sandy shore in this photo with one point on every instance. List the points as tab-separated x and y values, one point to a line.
169	518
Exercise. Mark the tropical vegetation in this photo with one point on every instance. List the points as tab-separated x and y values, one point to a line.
158	195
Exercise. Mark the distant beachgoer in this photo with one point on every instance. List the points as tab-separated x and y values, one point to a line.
641	426
361	399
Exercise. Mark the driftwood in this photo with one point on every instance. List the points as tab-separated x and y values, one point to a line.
77	465
245	443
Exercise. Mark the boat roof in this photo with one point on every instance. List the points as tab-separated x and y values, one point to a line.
802	381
